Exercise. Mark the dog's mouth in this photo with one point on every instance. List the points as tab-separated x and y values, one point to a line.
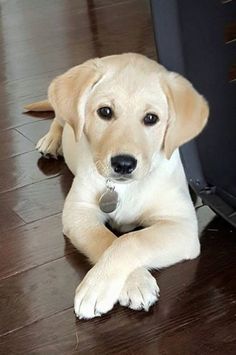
121	178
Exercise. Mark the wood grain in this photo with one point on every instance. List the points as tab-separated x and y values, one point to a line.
35	130
39	292
42	246
41	199
13	143
23	170
8	218
195	314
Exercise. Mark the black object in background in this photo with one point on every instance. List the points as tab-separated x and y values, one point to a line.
191	40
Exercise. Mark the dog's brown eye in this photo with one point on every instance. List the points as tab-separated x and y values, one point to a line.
105	113
150	119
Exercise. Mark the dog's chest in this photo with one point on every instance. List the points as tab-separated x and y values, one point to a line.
131	203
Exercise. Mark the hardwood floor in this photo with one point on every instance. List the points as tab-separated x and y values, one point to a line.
39	268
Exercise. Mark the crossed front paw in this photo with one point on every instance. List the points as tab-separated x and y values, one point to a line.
98	292
140	290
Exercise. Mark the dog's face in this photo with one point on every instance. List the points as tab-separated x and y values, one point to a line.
132	111
126	118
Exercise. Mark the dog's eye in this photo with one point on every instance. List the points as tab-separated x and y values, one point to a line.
150	119
105	113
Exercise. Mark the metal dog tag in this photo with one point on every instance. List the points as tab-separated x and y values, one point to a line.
108	201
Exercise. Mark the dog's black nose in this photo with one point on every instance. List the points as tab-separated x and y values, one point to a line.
123	164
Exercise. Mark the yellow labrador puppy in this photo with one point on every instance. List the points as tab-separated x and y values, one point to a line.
119	121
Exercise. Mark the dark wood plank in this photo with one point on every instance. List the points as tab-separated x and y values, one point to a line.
195	314
83	26
41	199
19	91
39	292
11	116
32	245
24	170
13	143
46	7
8	219
35	130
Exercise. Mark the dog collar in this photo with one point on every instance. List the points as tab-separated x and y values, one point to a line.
109	200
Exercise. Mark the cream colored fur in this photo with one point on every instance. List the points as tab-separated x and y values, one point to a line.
156	197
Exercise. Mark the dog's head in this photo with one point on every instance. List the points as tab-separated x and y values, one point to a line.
132	110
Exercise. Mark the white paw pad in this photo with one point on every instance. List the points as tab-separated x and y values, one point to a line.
140	290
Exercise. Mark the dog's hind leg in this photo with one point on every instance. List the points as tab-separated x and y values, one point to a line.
50	144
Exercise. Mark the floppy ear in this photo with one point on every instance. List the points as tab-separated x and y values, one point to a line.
68	93
188	112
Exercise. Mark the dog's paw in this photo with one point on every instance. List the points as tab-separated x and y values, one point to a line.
50	145
96	294
140	290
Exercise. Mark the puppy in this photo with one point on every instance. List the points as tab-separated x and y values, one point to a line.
119	121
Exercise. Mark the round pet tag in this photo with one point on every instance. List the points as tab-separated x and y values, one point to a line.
108	201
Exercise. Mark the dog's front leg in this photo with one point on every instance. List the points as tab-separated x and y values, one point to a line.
84	226
161	245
